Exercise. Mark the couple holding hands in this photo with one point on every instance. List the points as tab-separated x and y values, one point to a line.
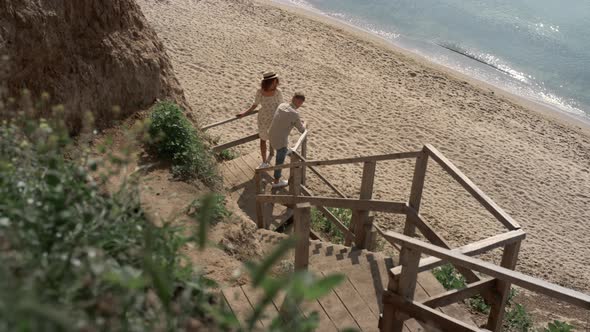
275	121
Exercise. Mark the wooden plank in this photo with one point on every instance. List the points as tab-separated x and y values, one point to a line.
357	308
391	156
247	172
294	178
222	122
471	249
281	219
347	203
431	317
326	323
246	165
228	145
369	280
302	219
300	141
416	190
456	295
502	289
304	155
229	178
517	278
259	208
359	220
337	311
406	287
477	193
255	296
238	173
234	176
414	217
238	301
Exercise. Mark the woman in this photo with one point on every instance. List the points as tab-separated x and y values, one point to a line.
269	97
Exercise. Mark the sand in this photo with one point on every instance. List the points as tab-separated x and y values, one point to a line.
365	97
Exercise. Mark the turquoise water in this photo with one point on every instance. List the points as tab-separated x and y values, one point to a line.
538	49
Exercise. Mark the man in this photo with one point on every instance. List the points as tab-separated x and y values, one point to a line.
286	117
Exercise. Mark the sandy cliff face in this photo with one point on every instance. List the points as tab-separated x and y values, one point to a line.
88	54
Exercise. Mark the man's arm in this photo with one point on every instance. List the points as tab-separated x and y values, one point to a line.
300	124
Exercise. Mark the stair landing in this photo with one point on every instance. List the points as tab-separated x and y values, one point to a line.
238	180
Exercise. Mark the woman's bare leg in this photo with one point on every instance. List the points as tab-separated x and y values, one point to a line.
263	150
271	153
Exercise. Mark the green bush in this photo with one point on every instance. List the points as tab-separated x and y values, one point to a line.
449	277
74	258
517	319
175	139
558	326
320	223
227	155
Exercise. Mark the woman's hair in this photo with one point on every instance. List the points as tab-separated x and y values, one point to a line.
266	85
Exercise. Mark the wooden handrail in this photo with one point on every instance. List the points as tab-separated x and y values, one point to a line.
477	193
392	156
243	140
300	140
347	203
537	285
472	249
322	177
235	118
348	235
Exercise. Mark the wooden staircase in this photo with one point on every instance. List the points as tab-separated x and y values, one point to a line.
377	294
356	303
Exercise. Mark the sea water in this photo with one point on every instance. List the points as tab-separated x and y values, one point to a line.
538	49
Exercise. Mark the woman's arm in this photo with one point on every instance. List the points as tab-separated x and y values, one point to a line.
248	111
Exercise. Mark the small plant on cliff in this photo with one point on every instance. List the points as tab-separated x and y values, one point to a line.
227	155
175	139
558	326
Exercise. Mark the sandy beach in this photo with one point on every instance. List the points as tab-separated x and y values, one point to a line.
366	97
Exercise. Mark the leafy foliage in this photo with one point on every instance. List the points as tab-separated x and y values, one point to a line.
298	287
320	223
175	139
72	257
558	326
449	277
75	258
517	319
227	155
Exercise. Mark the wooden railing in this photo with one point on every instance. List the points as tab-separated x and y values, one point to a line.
399	303
400	292
398	300
240	141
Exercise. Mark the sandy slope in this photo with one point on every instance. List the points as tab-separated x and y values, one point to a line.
364	98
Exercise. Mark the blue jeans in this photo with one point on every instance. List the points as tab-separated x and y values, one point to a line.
281	154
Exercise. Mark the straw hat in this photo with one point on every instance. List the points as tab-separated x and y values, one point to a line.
269	75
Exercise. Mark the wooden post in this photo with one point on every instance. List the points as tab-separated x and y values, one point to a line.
259	207
360	222
302	219
294	177
304	155
416	191
403	285
502	288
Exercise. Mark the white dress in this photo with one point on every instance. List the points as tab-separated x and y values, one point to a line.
268	106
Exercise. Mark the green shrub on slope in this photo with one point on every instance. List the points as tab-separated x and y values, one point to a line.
175	139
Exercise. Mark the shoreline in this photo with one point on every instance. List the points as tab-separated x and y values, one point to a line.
548	111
